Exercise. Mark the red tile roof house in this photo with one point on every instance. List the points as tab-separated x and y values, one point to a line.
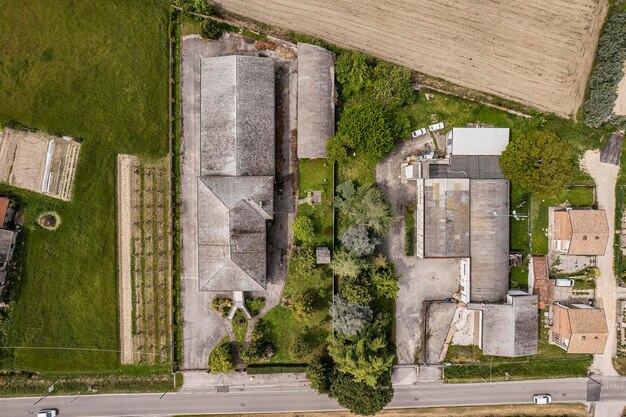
578	231
4	210
579	328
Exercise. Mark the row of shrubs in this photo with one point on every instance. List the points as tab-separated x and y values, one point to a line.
607	74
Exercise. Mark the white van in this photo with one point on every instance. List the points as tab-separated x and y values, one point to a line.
564	282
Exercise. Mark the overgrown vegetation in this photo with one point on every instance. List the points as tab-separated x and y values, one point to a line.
608	72
222	359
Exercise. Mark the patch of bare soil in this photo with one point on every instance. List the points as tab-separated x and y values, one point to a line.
535	52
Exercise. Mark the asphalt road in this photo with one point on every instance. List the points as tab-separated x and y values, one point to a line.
248	400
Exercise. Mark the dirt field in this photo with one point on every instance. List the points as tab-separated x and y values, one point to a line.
38	162
620	103
144	254
570	410
533	51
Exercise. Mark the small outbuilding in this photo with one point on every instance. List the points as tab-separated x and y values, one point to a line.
322	255
478	141
510	329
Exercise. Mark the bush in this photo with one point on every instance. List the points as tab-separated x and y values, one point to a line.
356	289
607	74
349	318
302	261
303	230
363	127
345	264
539	162
366	206
385	282
361	398
222	306
256	369
302	305
260	348
222	359
300	346
254	305
357	240
352	72
211	29
319	372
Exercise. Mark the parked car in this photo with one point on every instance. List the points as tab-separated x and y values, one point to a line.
542	398
435	127
564	282
419	132
48	412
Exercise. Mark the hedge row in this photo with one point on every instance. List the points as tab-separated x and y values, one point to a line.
275	369
608	72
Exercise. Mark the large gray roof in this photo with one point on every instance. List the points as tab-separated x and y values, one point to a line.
489	241
316	100
235	189
232	234
237	116
7	239
510	329
446	218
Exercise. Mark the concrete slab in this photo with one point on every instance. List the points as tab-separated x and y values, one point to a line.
611	152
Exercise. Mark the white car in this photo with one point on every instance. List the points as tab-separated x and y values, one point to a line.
542	399
48	412
419	132
435	127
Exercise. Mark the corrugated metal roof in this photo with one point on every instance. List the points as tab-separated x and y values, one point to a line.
479	141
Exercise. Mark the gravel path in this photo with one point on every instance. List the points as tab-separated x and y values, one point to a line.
125	165
605	176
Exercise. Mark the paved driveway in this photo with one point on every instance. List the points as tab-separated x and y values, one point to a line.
605	176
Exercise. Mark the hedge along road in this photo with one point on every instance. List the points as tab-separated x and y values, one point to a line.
532	51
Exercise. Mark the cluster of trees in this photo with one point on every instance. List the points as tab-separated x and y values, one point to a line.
198	6
539	162
608	72
372	91
356	368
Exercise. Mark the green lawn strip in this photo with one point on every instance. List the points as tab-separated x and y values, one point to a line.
409	229
317	175
519	277
240	326
576	196
105	82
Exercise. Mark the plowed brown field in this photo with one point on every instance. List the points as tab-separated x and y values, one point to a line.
536	52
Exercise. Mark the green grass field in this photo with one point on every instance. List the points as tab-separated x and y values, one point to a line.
317	175
97	71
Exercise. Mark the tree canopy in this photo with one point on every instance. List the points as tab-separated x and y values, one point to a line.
539	162
304	230
349	318
357	240
221	358
359	397
345	264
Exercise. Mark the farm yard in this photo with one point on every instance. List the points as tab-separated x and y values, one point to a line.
534	52
144	224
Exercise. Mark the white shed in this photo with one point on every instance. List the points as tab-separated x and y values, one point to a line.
479	141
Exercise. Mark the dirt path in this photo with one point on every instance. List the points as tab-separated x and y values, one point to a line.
533	51
125	165
620	103
605	176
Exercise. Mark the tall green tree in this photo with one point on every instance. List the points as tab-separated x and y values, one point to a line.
539	162
352	72
346	264
365	358
359	397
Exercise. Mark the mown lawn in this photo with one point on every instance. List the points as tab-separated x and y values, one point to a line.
97	71
317	175
470	365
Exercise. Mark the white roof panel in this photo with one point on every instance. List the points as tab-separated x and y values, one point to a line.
479	141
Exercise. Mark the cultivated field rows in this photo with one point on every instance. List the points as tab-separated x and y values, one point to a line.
145	268
533	51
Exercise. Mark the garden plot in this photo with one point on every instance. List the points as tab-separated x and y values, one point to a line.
534	51
38	162
144	266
